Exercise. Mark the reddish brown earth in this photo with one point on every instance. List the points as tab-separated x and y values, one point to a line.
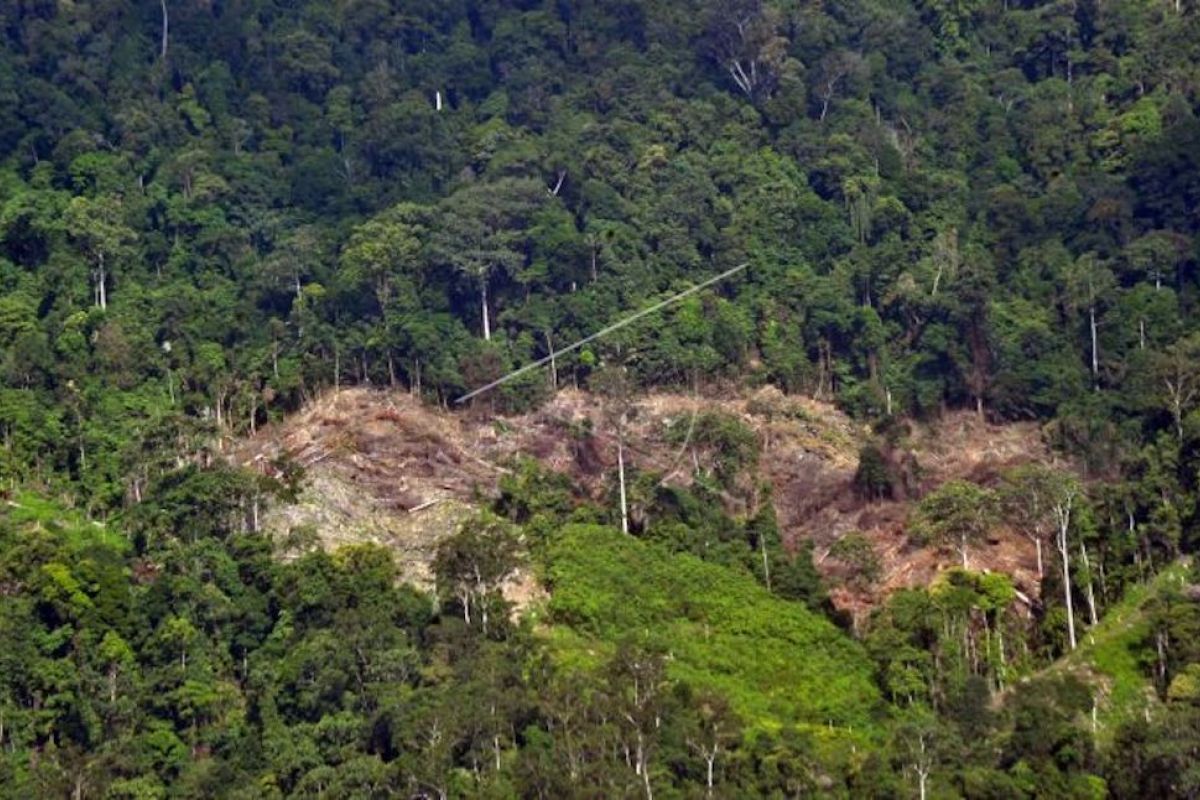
383	467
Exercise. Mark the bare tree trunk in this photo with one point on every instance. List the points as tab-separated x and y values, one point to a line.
621	476
1095	348
553	362
762	545
922	768
101	289
644	767
163	52
1063	512
1091	594
487	326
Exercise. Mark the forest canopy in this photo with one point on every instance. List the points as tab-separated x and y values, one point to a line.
211	212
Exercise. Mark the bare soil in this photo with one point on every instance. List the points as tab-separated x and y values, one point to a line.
384	468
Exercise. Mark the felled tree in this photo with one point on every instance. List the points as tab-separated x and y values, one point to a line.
957	514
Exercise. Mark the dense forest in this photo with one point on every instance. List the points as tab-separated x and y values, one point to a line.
211	211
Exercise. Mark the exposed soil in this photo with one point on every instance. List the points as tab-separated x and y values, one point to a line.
382	467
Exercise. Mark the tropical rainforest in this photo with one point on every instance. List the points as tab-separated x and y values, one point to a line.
214	211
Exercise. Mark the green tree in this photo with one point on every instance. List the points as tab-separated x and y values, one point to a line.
472	565
958	513
480	233
98	227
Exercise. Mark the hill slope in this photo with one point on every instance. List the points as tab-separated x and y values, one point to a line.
385	468
775	660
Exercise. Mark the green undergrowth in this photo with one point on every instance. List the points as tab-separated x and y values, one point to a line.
30	512
777	662
1107	657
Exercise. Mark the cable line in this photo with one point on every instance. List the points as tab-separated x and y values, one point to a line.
603	332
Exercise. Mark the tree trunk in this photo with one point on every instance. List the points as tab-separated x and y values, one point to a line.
163	51
1090	592
621	478
1064	551
1095	348
1176	407
1000	650
553	362
644	767
762	545
101	289
487	325
922	768
1037	542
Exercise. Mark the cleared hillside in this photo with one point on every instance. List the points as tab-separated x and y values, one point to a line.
384	468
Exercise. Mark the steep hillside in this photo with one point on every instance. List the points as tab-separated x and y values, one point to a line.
777	662
382	467
1108	659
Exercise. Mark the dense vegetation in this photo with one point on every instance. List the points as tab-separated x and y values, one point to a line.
210	211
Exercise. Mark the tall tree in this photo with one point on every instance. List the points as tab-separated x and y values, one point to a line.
481	233
1088	283
385	253
1178	372
958	513
98	227
1026	494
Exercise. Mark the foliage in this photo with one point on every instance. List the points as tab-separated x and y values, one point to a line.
776	661
211	212
957	514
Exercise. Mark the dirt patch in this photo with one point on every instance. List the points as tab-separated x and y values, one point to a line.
384	468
